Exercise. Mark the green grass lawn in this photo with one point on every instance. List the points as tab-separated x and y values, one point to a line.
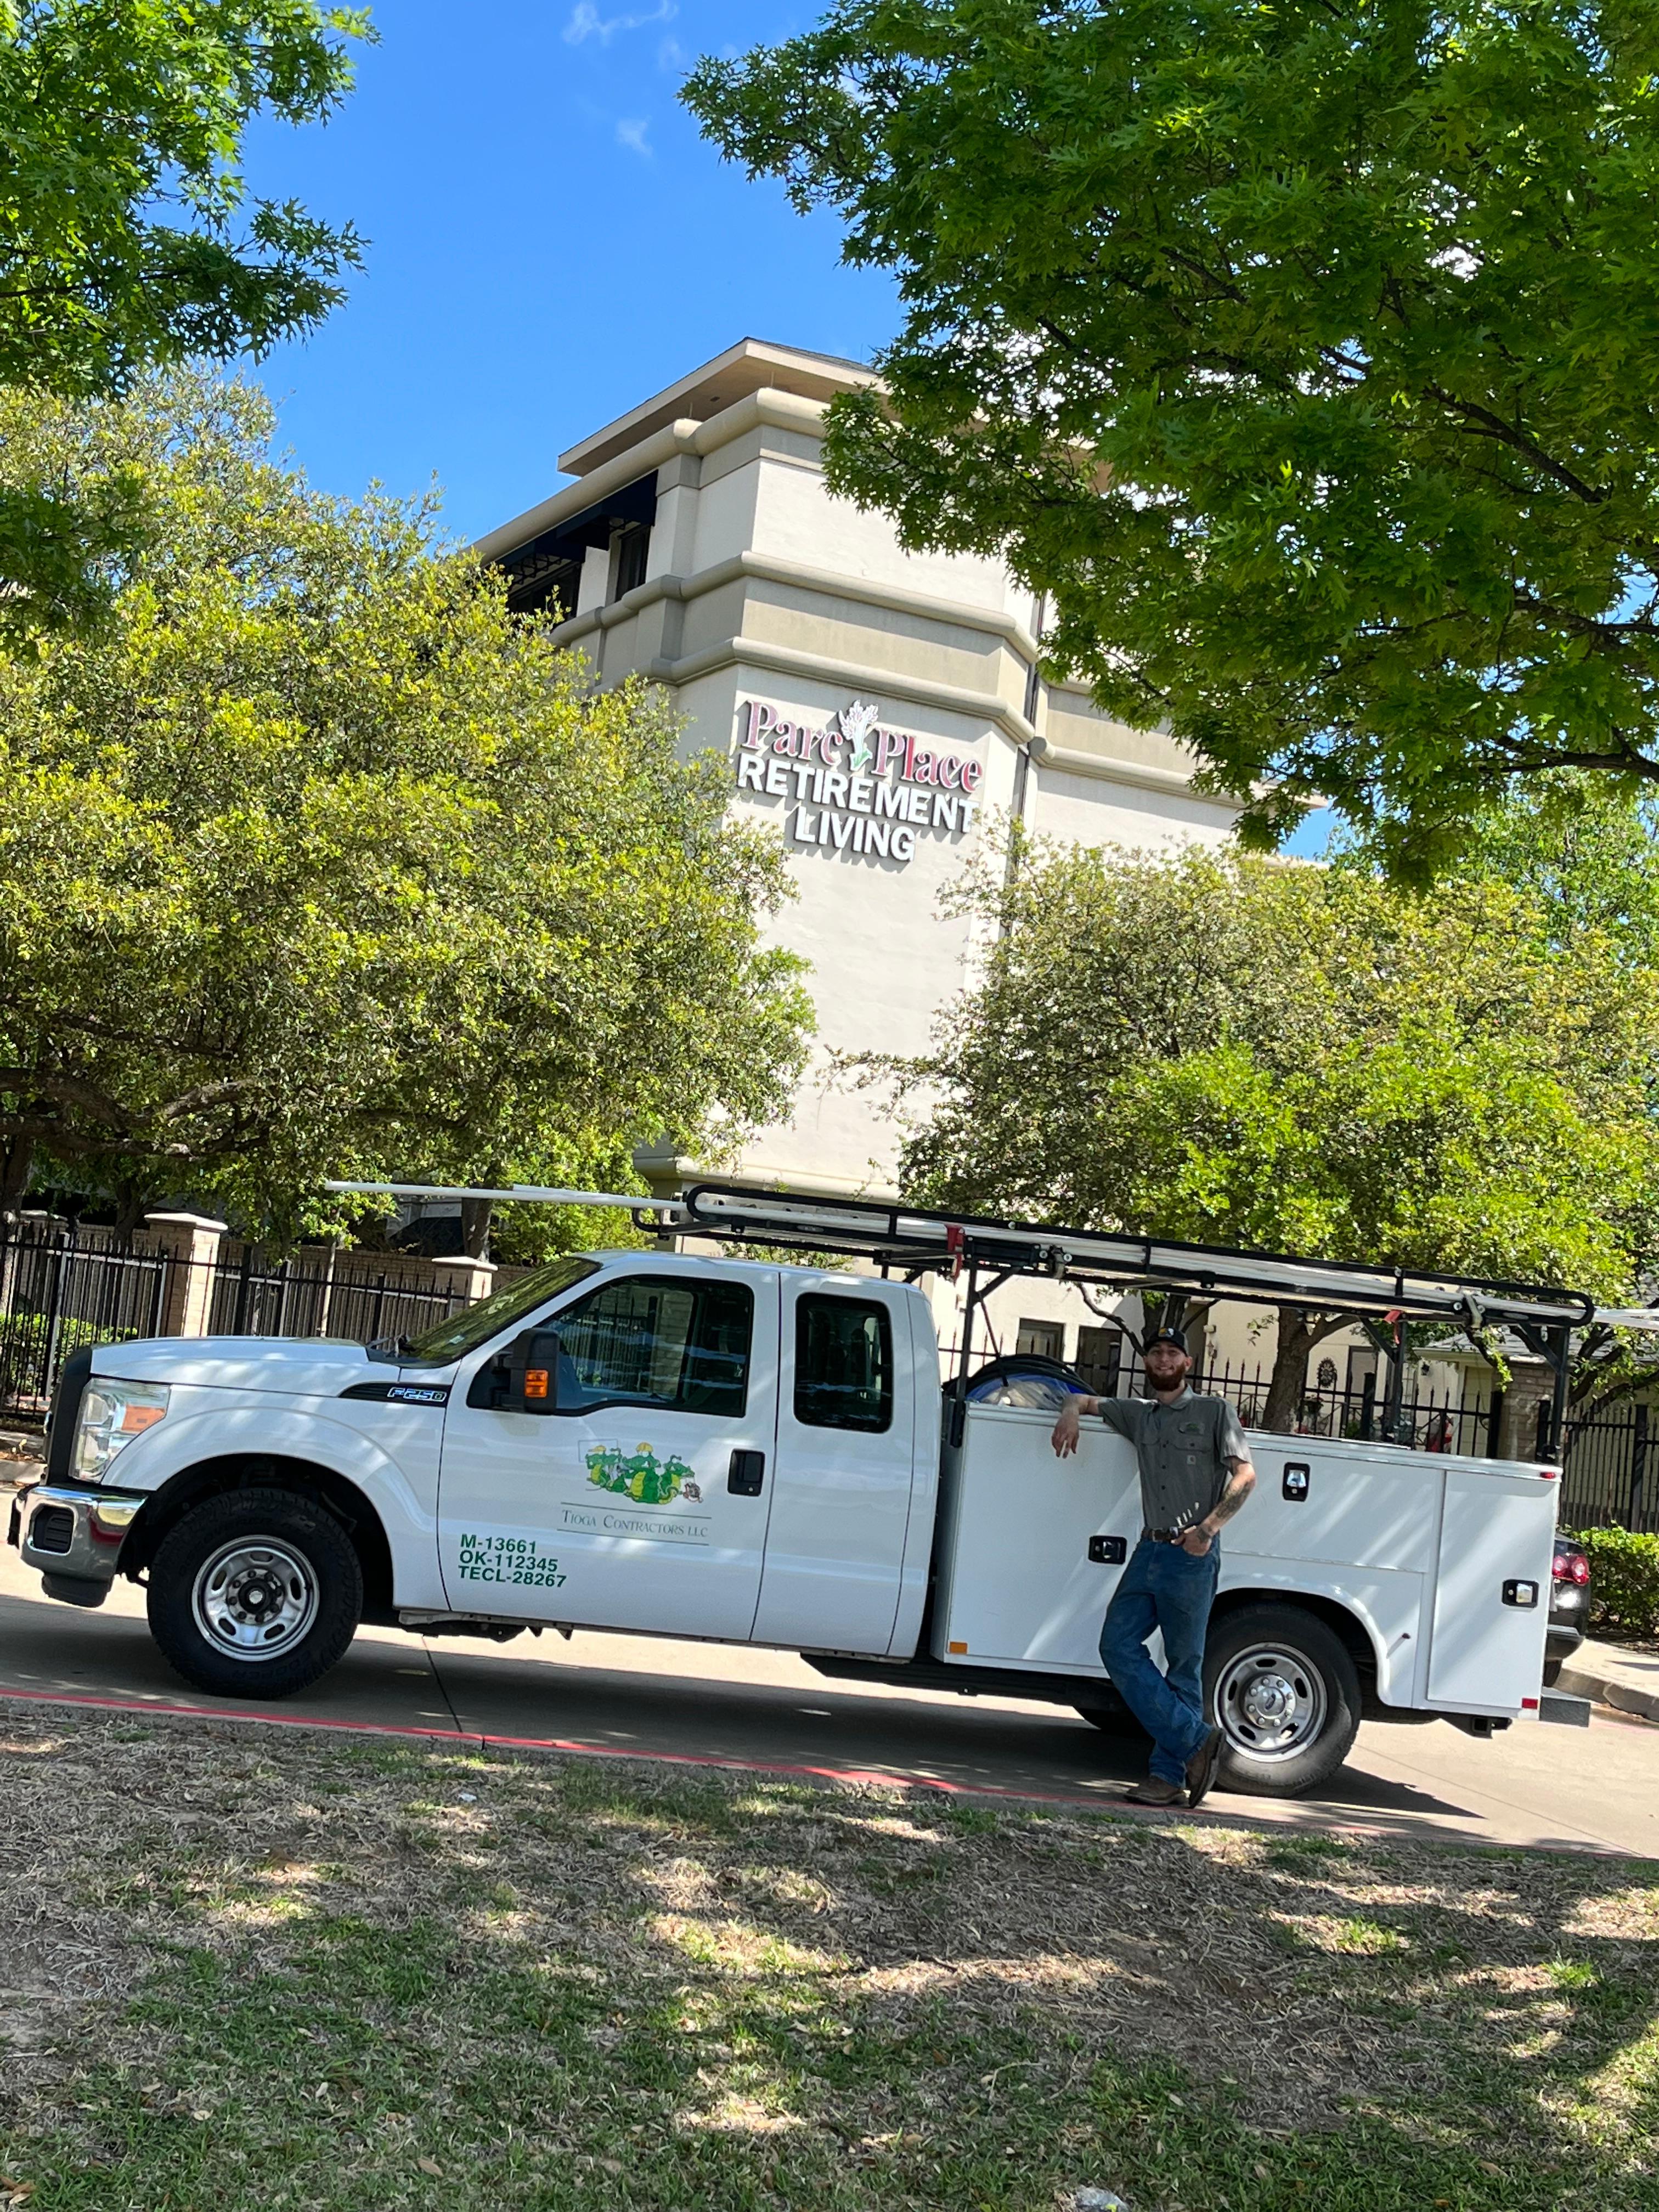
242	1971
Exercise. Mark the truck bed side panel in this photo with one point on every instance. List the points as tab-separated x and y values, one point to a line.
1018	1584
1342	1504
1497	1541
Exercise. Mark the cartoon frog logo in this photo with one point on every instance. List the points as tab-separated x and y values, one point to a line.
639	1474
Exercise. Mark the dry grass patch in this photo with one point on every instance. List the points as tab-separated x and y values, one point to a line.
244	1969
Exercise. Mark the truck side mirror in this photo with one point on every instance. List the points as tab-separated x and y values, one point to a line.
533	1372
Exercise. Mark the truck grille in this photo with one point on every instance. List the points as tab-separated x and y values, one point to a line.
52	1528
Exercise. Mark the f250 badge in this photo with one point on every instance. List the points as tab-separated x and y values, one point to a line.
401	1394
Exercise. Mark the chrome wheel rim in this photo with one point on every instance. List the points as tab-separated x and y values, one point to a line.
1271	1702
255	1599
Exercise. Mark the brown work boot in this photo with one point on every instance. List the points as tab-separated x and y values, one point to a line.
1153	1791
1201	1768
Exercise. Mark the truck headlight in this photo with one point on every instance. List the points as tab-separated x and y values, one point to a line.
112	1415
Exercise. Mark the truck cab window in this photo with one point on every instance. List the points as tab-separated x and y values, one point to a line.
659	1341
843	1364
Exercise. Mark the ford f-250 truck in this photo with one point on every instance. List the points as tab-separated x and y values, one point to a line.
710	1447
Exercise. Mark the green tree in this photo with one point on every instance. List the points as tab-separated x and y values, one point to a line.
315	861
128	239
1304	357
1585	860
1291	1059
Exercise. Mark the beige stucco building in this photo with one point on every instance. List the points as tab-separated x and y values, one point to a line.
880	708
698	547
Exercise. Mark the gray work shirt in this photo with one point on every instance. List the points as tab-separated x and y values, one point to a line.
1184	1451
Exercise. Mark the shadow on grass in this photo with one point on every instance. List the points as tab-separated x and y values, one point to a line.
465	1982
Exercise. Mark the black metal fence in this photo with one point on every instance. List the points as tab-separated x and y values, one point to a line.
1609	1479
318	1293
63	1288
59	1293
1437	1421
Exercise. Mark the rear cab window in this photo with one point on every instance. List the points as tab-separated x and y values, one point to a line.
843	1363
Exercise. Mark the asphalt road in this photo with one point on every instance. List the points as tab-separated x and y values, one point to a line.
1537	1784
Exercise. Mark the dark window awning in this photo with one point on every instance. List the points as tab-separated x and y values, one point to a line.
592	525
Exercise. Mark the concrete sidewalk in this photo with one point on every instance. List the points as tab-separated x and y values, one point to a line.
1612	1674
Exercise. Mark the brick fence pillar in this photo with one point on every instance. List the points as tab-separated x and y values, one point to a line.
465	1278
190	1243
1528	1391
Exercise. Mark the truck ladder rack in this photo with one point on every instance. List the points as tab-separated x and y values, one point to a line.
912	1241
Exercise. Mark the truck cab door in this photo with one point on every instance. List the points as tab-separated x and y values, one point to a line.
846	1456
640	1499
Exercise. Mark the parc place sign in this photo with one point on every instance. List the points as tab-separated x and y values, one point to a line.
856	788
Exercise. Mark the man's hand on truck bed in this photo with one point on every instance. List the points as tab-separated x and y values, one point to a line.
1066	1428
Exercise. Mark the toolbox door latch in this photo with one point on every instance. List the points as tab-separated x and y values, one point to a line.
1108	1550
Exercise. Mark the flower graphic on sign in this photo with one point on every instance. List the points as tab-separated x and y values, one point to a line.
857	720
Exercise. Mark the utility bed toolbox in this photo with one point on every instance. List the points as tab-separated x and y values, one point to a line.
1444	1560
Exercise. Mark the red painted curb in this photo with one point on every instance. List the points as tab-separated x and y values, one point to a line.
853	1777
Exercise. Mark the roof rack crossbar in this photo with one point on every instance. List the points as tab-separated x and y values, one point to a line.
910	1235
918	1241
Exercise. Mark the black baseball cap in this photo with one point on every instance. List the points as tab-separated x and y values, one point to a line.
1166	1336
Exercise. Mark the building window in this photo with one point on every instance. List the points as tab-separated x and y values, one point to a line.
539	582
633	545
1100	1360
1047	1339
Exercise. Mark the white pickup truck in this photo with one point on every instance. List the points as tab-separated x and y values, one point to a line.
713	1448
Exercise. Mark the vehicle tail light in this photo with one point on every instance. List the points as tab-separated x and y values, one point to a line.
1571	1567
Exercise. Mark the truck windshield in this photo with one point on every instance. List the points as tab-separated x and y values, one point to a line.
475	1325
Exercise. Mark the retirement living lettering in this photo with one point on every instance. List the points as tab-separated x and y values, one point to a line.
857	788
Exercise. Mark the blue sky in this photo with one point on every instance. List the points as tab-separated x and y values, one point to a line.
549	241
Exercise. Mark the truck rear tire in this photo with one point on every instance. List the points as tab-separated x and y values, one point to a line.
1285	1692
255	1594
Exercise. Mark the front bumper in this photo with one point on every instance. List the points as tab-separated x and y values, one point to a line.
73	1535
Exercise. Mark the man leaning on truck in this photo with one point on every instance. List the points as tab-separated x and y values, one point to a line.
1195	1473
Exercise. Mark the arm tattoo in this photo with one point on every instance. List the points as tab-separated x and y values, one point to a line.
1239	1483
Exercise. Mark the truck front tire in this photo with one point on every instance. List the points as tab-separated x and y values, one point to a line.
255	1594
1285	1692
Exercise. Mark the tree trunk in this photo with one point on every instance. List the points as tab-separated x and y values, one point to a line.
1298	1332
17	1161
475	1227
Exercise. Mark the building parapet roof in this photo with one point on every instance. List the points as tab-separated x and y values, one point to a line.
751	365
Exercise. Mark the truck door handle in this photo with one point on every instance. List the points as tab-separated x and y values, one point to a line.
746	1474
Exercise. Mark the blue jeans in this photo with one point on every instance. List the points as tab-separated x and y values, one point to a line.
1163	1587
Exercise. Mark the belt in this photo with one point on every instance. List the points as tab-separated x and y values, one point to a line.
1162	1535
